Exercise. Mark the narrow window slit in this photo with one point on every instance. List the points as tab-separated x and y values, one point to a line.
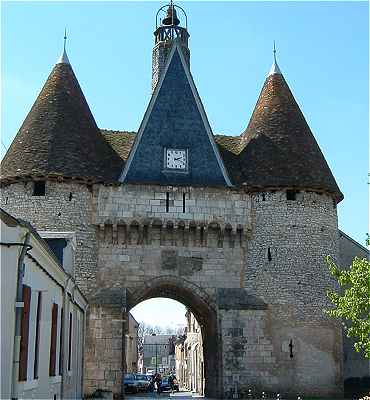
167	202
269	257
70	196
263	197
291	348
183	202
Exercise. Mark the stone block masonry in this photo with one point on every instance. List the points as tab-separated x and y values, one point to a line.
66	207
250	266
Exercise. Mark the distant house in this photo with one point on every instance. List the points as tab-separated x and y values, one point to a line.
42	318
131	345
158	354
189	356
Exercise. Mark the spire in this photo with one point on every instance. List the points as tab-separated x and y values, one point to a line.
274	68
63	59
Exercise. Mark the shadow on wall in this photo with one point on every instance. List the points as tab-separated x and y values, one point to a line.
357	387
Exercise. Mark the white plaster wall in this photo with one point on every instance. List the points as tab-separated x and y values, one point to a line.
41	274
9	265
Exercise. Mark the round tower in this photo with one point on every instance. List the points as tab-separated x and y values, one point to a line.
294	201
52	165
167	31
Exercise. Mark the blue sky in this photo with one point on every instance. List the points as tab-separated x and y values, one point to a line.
322	50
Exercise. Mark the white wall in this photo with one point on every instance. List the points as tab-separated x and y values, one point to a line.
43	274
9	260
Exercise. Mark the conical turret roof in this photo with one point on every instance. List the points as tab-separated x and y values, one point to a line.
59	136
278	147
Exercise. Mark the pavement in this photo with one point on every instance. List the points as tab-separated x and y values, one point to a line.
165	396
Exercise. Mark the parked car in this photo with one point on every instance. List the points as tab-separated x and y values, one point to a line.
166	386
131	384
142	382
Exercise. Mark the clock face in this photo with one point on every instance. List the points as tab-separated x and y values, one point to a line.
176	159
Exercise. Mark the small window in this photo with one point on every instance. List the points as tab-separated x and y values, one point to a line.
291	195
57	246
167	202
269	257
39	188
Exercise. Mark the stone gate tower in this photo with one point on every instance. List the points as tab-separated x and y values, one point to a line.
236	228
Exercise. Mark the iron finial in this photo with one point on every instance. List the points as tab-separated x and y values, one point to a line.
274	68
63	59
65	38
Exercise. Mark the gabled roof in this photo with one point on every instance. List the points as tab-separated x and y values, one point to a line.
59	136
278	147
175	118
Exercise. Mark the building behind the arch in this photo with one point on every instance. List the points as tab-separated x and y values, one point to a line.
236	228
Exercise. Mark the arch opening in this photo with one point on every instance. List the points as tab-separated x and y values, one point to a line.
200	304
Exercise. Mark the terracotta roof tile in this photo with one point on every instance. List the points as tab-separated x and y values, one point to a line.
60	137
279	149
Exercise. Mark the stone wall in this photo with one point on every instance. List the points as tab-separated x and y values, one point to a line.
250	267
286	268
139	240
66	207
103	349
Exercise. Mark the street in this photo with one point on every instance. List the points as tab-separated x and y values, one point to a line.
165	395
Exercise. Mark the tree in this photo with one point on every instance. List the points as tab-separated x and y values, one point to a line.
352	303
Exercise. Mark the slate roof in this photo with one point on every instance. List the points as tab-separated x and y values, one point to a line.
175	118
59	136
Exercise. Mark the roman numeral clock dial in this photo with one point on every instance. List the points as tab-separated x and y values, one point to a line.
176	159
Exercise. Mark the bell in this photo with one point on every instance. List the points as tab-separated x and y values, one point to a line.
171	17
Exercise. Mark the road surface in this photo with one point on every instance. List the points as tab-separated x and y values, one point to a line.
165	396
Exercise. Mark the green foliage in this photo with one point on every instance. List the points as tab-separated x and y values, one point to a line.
352	303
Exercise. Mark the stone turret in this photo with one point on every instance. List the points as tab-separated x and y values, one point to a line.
278	147
57	155
59	137
167	31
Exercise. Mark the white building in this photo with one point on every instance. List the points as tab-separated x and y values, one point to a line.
158	354
42	319
131	345
189	356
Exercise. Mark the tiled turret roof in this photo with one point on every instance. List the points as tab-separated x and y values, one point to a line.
278	148
59	136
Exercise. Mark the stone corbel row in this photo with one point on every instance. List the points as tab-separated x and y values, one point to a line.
176	233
